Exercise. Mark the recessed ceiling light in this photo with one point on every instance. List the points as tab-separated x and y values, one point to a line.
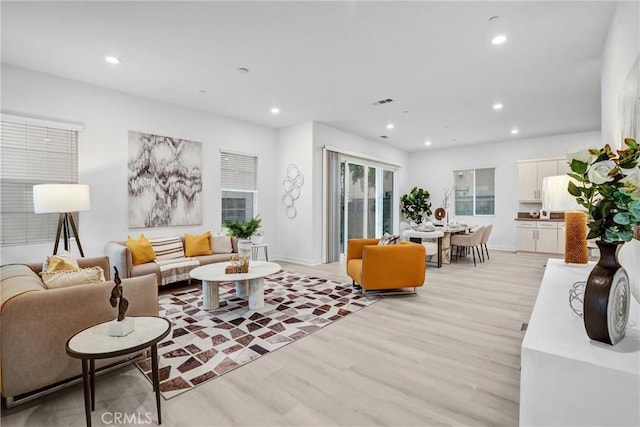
497	106
499	39
390	126
515	131
427	143
275	110
112	59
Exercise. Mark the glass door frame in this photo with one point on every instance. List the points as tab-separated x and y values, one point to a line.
380	168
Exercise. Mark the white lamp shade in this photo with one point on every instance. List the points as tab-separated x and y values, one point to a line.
61	198
556	197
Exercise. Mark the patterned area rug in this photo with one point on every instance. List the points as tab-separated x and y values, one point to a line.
206	344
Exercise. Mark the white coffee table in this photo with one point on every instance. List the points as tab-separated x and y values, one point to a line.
248	285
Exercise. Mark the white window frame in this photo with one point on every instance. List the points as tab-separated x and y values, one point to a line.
474	193
229	184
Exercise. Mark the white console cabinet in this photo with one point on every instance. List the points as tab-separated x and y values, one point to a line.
567	379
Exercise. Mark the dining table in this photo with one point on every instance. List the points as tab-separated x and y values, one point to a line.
440	232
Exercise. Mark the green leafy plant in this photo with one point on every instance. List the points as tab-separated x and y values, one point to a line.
608	186
243	230
415	205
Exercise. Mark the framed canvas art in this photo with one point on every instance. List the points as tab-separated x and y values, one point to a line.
165	181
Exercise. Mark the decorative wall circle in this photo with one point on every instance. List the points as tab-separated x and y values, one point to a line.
291	185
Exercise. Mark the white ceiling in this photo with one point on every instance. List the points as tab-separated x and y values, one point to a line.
329	61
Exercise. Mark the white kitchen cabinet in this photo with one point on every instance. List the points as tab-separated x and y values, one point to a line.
532	172
540	236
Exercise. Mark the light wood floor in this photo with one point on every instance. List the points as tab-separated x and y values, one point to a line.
448	356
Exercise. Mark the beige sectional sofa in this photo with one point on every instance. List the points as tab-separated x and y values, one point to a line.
120	257
36	322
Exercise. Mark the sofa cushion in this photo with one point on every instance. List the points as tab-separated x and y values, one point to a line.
141	250
210	259
167	247
16	279
221	244
195	245
65	278
63	261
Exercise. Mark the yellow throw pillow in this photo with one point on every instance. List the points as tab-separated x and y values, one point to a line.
62	262
195	245
141	250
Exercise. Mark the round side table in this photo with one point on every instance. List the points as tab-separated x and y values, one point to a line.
95	343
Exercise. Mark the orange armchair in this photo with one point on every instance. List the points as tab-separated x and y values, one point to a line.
378	267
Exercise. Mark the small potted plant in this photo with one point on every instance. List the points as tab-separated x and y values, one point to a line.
243	232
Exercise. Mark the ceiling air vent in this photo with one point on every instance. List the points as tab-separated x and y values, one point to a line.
382	101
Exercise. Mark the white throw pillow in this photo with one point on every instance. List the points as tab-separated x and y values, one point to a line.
221	244
167	247
64	278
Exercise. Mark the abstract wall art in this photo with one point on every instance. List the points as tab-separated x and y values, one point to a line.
165	181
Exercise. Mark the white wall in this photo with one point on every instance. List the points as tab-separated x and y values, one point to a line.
108	116
433	171
294	241
621	51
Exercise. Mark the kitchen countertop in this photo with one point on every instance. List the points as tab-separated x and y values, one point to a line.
538	219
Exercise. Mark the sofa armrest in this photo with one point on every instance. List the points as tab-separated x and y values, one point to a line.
36	326
120	257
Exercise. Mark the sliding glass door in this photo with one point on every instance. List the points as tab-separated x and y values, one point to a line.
367	195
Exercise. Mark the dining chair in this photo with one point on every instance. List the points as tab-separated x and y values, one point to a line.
485	239
469	241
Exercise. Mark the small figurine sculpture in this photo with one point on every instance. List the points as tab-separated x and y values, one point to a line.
117	297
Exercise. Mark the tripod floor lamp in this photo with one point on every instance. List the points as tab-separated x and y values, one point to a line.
63	199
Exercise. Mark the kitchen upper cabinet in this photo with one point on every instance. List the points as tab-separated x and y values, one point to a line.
532	172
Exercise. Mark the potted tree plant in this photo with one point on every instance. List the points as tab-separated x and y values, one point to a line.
243	232
416	205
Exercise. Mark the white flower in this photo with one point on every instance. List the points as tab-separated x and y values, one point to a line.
583	155
632	182
598	173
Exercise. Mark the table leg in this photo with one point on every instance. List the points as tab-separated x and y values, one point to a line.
87	392
210	295
256	293
242	288
439	252
92	380
156	379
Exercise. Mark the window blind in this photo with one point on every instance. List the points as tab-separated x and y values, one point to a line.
30	155
238	172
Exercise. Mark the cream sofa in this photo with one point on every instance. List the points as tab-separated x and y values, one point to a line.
36	322
120	257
